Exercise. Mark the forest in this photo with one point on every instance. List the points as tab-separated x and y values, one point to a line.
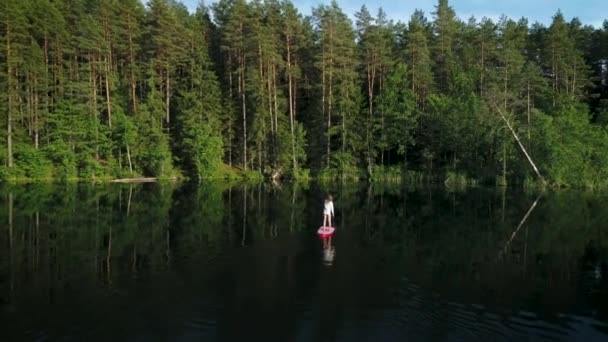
104	89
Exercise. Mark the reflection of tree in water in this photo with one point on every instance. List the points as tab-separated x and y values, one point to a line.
594	277
456	242
104	238
60	238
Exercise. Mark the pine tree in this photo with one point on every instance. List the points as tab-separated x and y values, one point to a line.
375	51
152	150
418	57
510	59
486	44
14	43
235	45
368	35
164	47
444	30
129	33
294	43
337	65
534	87
198	106
564	61
44	35
398	104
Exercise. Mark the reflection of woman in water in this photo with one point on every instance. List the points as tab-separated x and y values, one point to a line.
329	294
329	252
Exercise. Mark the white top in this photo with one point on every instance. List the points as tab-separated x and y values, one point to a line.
329	208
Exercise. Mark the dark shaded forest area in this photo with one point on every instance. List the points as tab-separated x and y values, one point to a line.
94	89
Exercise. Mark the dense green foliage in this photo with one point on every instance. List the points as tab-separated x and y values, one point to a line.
99	89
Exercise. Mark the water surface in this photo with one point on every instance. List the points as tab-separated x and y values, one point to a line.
189	263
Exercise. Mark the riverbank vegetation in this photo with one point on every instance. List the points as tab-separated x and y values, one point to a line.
119	89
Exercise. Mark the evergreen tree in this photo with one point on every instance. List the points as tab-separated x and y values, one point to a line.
486	47
336	62
92	88
398	103
564	61
14	44
152	150
295	43
418	56
199	110
375	44
445	28
164	48
235	41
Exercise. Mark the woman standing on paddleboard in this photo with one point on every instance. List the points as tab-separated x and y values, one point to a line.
328	211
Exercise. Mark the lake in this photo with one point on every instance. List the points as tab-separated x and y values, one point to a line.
155	262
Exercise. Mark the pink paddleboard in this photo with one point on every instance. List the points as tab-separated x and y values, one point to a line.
326	231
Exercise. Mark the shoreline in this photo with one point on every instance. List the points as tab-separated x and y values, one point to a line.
448	179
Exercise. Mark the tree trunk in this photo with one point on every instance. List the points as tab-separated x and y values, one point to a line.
36	115
269	99
529	137
47	91
330	99
482	70
131	66
506	84
344	120
9	129
414	69
261	86
108	104
230	96
574	78
521	146
380	88
371	80
244	109
29	95
168	97
323	88
129	159
291	106
504	163
554	71
276	113
93	78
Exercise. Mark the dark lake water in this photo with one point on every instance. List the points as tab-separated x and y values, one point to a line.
166	262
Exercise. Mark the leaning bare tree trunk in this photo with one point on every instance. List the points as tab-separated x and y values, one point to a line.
504	118
129	159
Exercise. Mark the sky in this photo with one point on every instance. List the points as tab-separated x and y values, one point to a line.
593	12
